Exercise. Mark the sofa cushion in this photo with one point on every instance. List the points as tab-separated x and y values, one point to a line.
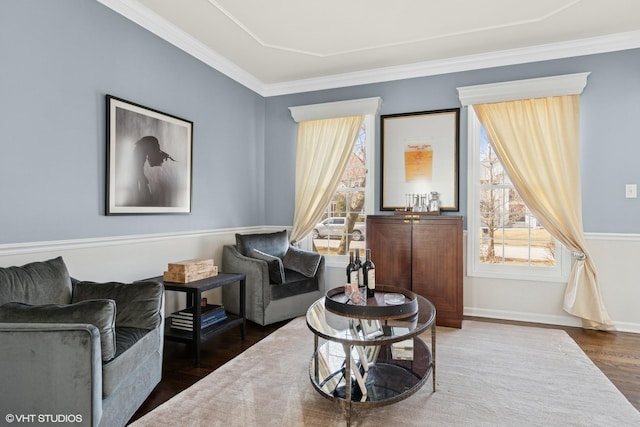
295	284
276	269
101	313
128	364
127	338
274	244
36	283
304	262
139	303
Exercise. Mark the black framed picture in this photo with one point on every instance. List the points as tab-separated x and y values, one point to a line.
420	155
148	160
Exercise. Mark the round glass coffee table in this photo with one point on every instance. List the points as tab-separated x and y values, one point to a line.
370	356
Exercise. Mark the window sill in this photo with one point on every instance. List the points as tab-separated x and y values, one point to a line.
521	277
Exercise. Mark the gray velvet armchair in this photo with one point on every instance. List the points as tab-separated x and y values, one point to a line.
90	353
282	281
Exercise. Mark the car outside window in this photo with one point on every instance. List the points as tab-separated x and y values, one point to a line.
342	228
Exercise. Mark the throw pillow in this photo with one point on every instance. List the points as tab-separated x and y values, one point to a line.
276	269
139	303
304	262
36	283
274	244
100	313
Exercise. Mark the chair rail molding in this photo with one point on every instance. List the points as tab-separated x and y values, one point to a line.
74	244
134	257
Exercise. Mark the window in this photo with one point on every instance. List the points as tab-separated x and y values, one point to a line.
507	223
342	227
353	199
504	238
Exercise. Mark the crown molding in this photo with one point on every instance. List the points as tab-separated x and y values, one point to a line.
147	19
590	46
159	26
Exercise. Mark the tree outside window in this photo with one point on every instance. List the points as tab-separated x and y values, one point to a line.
509	233
342	227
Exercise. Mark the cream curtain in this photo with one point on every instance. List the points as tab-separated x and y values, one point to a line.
537	141
322	152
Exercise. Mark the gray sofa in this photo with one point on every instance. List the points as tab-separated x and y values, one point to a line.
282	281
84	353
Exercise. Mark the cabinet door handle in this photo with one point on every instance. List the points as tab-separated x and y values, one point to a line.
410	218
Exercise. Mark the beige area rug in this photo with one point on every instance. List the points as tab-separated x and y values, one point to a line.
487	375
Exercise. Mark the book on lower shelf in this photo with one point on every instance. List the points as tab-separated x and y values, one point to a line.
188	313
211	314
188	326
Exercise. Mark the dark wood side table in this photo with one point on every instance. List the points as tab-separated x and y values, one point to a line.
194	294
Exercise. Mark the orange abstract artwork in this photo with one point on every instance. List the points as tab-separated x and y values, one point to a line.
418	162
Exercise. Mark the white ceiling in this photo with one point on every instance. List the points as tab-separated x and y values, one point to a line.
282	46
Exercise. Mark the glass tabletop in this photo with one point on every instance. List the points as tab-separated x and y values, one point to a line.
362	331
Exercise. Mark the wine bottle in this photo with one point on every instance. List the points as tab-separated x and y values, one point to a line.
362	289
369	275
358	264
352	272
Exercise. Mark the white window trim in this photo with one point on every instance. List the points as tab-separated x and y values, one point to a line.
559	273
367	107
329	110
568	84
497	92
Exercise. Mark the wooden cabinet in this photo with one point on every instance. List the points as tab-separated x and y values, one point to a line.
423	254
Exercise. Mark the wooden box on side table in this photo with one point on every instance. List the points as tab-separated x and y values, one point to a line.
190	270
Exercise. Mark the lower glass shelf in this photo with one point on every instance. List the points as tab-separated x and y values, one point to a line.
383	378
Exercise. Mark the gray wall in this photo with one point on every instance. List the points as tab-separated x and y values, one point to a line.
610	156
59	60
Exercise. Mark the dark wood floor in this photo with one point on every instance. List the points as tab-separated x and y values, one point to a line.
617	354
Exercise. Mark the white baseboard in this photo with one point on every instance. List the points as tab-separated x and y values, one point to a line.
542	318
627	327
522	317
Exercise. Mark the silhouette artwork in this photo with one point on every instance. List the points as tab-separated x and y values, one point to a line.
148	160
147	149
